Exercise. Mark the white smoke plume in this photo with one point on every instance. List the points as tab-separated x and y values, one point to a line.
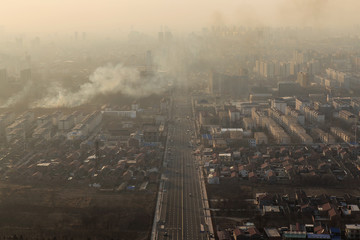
19	97
105	80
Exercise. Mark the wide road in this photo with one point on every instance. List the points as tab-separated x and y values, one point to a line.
181	209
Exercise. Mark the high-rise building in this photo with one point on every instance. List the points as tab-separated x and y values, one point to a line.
3	75
300	57
168	36
283	69
269	69
161	36
313	67
295	68
149	59
303	79
25	75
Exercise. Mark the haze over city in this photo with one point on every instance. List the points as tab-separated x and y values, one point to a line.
187	120
112	16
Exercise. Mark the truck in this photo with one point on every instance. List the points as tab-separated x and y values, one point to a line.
202	228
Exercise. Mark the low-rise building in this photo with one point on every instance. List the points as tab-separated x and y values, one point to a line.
66	122
124	114
272	234
301	103
313	115
213	178
347	116
342	134
260	138
324	137
249	123
352	231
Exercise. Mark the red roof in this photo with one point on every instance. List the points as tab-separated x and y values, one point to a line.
318	229
253	231
252	174
332	213
326	207
238	232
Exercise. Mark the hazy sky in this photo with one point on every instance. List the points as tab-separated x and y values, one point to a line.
110	15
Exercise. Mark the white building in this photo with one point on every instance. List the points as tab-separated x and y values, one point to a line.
66	122
126	114
279	104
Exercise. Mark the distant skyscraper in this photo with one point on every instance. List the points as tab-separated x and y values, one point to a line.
149	59
295	68
168	36
300	57
161	36
303	79
313	67
25	75
3	75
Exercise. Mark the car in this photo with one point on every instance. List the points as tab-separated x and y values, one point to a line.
189	194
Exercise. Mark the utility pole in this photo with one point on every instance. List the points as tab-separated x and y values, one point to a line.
356	131
97	155
24	135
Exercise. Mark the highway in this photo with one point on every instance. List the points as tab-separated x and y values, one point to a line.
182	211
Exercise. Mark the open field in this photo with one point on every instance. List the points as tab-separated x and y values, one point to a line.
75	213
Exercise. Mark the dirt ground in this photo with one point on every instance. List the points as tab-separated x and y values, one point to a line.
248	190
64	213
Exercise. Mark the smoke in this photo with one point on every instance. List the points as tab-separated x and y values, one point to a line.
31	91
105	80
305	12
295	13
20	96
218	18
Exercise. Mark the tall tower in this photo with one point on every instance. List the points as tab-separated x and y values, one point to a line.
25	75
161	36
149	59
97	155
